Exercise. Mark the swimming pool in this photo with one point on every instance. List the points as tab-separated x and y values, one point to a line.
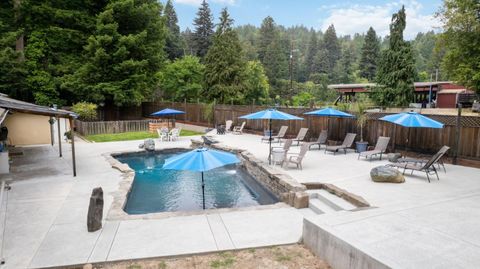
157	190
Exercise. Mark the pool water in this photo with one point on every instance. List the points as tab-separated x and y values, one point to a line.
157	190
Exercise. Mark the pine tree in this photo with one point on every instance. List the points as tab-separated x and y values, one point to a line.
273	51
332	46
202	36
173	44
396	68
188	45
345	66
370	54
311	52
123	56
224	63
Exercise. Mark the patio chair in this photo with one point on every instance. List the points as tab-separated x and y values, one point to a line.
322	140
380	148
208	140
427	167
175	134
439	162
279	136
301	135
228	125
297	158
238	129
347	143
286	148
163	133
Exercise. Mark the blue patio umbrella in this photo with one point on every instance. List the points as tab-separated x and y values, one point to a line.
329	112
270	114
167	112
200	160
411	120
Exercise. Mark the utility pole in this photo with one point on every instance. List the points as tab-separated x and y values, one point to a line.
291	65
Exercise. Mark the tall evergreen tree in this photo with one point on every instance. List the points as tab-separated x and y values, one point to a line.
396	69
123	56
332	46
173	44
273	51
311	52
345	66
224	63
202	36
188	43
369	56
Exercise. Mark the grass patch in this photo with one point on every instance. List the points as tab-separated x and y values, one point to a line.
226	260
131	136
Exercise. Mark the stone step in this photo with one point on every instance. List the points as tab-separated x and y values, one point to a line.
320	207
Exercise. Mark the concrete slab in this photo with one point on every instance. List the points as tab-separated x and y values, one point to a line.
104	242
166	237
220	233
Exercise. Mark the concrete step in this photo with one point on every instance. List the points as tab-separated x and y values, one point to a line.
307	212
331	200
320	207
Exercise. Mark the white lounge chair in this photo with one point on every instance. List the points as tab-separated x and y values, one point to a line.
347	143
175	134
238	129
322	140
297	158
228	126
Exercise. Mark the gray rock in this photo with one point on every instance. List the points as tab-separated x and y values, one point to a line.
393	157
300	200
149	144
386	174
95	210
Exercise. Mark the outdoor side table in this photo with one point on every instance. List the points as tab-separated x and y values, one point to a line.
278	156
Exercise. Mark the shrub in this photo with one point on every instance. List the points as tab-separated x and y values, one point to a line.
86	111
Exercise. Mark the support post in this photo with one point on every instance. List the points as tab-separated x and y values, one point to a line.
72	133
50	121
203	192
457	134
59	137
270	142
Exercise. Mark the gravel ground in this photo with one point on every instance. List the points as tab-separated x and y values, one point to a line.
280	257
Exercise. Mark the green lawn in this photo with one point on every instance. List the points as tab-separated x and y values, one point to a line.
131	136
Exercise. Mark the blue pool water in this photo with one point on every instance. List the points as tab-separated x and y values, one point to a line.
158	190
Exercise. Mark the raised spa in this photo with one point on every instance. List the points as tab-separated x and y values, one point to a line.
157	190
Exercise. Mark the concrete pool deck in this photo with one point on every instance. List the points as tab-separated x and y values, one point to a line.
416	224
412	225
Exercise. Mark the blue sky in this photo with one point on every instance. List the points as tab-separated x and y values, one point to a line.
348	16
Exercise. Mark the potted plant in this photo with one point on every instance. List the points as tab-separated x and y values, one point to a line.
68	136
359	108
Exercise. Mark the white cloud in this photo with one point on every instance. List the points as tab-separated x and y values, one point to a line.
198	2
358	18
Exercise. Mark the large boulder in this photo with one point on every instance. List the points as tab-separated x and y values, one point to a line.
149	144
386	174
95	210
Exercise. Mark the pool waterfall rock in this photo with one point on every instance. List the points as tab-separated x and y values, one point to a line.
95	210
282	185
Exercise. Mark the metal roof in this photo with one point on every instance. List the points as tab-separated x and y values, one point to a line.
25	107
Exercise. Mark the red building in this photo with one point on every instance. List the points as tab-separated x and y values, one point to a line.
443	93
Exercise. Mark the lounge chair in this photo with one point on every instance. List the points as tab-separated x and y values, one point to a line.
297	158
439	162
427	167
208	140
228	125
163	133
238	129
286	148
280	135
380	148
347	143
322	140
301	135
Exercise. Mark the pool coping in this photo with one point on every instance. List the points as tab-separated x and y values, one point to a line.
116	211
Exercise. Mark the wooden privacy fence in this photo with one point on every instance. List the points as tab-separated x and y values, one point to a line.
112	127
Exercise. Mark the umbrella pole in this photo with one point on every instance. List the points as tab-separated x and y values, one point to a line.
270	142
203	192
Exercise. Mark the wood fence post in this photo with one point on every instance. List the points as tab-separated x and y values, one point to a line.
457	134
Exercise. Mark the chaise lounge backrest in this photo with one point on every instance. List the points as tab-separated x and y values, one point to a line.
349	139
382	143
436	157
